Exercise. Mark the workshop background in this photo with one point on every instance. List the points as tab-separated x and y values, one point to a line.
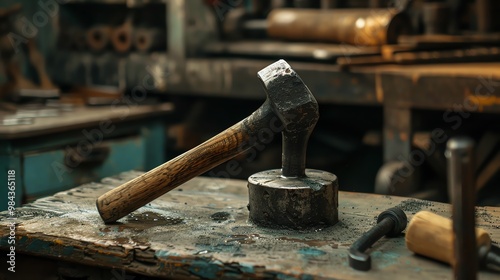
93	89
394	80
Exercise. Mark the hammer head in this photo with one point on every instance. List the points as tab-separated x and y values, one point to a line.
290	98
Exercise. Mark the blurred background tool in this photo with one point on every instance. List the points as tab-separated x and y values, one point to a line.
99	37
18	87
122	36
360	27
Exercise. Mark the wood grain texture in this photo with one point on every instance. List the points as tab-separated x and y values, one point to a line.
203	232
162	179
431	235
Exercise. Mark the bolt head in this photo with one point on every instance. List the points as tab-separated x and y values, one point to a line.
399	218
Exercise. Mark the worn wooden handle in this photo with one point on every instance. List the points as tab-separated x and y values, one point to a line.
431	235
128	197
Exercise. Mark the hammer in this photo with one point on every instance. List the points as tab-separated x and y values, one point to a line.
289	104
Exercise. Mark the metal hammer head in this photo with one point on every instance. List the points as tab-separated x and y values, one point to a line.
290	98
297	109
292	197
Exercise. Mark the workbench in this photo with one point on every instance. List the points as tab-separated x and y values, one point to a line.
200	230
85	144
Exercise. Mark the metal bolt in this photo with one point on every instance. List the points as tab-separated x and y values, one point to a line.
391	223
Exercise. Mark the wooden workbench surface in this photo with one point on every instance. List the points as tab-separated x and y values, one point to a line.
82	117
201	230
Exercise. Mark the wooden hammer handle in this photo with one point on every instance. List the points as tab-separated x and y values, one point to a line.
431	235
128	197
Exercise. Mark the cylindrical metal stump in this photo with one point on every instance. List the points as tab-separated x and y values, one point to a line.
297	203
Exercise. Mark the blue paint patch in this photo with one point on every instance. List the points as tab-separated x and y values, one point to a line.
4	242
247	268
205	268
284	277
38	246
232	275
232	247
161	266
311	252
384	259
66	251
165	254
307	277
113	228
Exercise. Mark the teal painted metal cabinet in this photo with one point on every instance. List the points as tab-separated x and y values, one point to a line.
45	162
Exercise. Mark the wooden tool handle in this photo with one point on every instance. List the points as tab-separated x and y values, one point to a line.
431	235
128	197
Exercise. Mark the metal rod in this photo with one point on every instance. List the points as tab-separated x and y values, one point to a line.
460	154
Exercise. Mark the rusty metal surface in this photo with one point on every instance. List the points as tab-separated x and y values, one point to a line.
202	230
